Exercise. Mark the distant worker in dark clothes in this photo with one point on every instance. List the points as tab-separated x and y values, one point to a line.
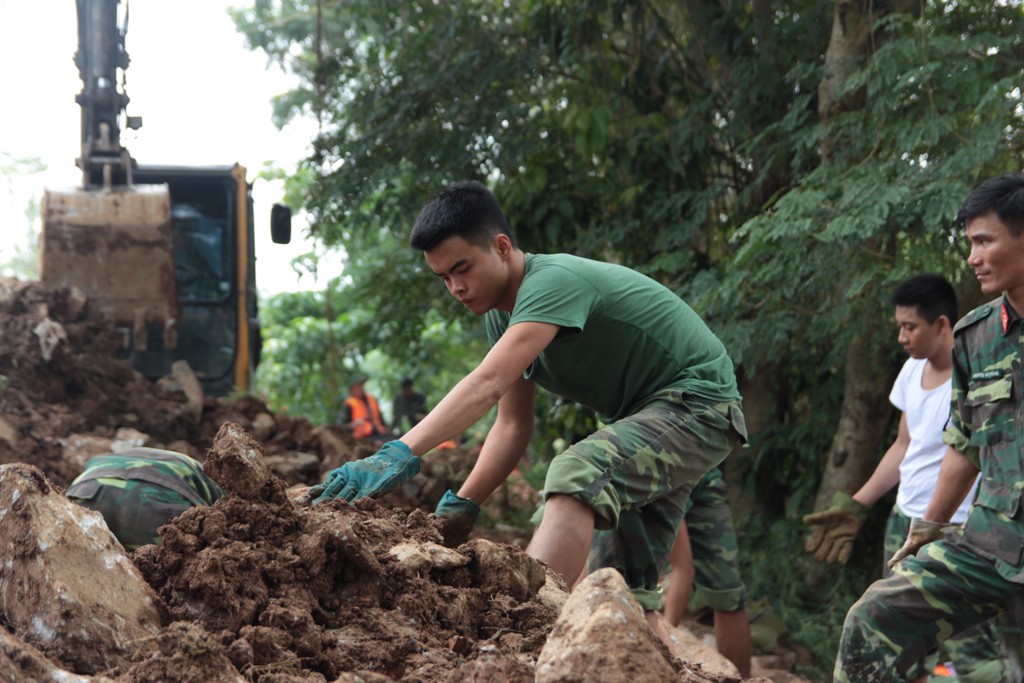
361	413
139	490
408	408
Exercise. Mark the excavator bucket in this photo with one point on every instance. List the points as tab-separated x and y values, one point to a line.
117	246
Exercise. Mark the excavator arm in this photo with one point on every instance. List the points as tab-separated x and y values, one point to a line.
110	238
101	59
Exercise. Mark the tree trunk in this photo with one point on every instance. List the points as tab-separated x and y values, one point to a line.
862	422
763	405
866	409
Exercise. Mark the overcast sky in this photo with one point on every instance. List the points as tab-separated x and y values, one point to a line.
204	99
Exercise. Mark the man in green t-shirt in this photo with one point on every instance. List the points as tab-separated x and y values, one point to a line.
596	333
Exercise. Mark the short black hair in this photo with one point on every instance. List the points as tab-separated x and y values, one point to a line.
465	209
406	382
931	294
1004	195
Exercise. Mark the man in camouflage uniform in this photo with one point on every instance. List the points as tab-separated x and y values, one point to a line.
596	333
962	576
704	562
139	490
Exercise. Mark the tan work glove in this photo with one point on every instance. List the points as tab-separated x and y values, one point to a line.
835	528
921	532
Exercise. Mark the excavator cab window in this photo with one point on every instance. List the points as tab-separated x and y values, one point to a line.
200	255
204	209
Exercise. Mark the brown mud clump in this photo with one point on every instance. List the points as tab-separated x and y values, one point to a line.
300	593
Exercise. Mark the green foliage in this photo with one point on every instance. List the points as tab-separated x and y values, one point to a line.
24	262
777	584
316	342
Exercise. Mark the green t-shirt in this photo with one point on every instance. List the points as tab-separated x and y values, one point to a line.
624	337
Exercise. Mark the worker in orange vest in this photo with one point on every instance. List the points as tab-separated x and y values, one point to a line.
362	413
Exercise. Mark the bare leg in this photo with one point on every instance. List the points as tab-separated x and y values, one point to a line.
732	637
680	582
563	538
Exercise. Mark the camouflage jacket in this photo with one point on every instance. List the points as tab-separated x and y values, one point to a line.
987	427
166	469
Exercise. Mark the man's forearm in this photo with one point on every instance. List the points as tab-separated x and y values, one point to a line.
885	477
956	477
466	403
504	447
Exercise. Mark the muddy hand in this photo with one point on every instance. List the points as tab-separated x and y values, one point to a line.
457	515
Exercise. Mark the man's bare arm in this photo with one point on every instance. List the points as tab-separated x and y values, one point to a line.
506	442
887	473
481	389
956	477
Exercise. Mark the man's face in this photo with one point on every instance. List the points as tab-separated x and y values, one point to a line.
477	277
997	256
916	335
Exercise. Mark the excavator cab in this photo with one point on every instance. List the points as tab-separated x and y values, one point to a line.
213	256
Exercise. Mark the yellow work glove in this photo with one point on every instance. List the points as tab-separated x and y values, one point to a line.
835	528
921	532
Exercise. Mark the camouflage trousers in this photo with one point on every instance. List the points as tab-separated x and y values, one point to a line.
716	574
636	474
943	590
976	653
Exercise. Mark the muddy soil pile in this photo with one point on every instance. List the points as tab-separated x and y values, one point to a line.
288	592
66	395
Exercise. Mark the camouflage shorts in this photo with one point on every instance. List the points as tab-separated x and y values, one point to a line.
943	590
636	474
133	510
716	574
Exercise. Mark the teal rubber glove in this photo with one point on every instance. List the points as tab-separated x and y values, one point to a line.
386	469
457	515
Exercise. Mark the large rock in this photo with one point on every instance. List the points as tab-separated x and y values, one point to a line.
602	636
693	650
67	587
22	663
181	378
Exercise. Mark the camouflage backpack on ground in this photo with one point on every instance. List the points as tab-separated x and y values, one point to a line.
139	490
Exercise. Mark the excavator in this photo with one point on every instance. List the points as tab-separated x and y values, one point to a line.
165	253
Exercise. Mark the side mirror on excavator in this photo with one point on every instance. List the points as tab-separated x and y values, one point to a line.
281	224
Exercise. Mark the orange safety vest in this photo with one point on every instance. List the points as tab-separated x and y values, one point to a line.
368	411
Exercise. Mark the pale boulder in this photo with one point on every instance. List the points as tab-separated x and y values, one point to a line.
602	636
67	588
